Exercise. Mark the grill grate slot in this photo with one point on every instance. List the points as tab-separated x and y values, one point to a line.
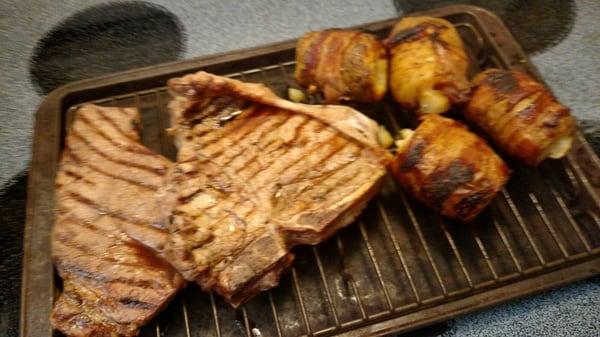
394	261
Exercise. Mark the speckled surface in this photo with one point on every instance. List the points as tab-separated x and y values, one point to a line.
47	43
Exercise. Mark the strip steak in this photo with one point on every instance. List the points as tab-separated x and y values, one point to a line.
109	232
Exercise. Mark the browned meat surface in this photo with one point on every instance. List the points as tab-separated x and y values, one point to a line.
344	64
109	228
449	168
521	116
256	175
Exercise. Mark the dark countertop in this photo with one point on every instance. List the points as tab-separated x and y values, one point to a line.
562	37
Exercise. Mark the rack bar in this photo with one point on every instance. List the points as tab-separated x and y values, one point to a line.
391	117
571	176
163	121
484	253
266	79
456	253
350	281
246	321
275	315
498	63
517	215
301	301
325	285
549	226
584	179
136	99
284	71
433	299
416	225
373	259
388	228
508	246
595	217
157	330
186	320
478	37
243	76
572	221
215	314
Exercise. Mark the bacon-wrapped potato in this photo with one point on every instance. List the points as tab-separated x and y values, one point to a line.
448	168
343	64
428	66
521	116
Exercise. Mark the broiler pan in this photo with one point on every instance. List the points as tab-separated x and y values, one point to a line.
399	267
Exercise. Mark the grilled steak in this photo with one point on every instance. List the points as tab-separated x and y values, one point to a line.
109	231
257	175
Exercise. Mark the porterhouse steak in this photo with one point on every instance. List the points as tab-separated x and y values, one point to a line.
109	232
256	175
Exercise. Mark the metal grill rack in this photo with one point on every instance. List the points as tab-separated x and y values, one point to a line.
400	266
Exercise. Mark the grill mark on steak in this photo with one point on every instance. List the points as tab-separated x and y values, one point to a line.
131	302
211	134
221	133
112	213
297	158
275	159
83	252
71	224
216	105
322	159
71	155
150	228
323	176
243	149
251	125
68	242
196	111
344	178
237	147
78	176
96	276
138	150
342	182
154	170
320	178
188	199
70	217
114	123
